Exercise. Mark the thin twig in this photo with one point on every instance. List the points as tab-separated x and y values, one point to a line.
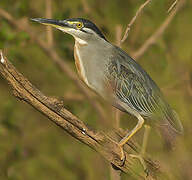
118	35
153	38
48	11
172	6
54	110
61	64
133	20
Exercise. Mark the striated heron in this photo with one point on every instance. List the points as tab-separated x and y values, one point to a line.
115	76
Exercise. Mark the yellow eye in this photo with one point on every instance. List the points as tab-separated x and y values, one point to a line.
79	25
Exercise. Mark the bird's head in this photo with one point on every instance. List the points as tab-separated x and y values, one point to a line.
81	29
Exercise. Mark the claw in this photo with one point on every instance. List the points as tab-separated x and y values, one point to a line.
122	154
123	159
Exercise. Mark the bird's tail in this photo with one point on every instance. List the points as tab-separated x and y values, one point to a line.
170	127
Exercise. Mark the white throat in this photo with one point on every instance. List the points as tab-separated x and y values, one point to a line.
72	31
80	41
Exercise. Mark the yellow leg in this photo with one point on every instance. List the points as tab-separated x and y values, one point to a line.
143	148
133	131
130	134
145	139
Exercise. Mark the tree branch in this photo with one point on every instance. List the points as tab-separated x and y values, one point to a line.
153	38
48	14
54	110
133	20
172	6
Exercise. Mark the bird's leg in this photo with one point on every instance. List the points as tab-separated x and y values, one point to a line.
145	139
133	131
143	148
130	134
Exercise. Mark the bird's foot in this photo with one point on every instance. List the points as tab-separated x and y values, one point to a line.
122	156
121	153
141	159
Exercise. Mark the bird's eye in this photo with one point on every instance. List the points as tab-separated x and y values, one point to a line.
79	25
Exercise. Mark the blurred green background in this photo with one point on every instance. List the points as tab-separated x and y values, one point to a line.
31	147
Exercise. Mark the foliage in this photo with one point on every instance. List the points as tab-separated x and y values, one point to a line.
32	147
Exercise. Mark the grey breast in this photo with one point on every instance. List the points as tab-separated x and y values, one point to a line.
95	58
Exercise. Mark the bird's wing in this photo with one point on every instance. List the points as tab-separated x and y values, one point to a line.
133	86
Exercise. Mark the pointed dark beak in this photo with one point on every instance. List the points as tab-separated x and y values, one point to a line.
52	22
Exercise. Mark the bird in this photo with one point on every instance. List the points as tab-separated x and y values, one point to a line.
119	79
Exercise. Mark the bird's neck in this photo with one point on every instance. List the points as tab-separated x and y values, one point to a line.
78	59
89	66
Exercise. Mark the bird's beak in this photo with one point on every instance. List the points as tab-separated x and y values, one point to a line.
59	24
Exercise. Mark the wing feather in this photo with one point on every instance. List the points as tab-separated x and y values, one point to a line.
133	86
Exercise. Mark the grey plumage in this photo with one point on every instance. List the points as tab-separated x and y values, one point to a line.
133	86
